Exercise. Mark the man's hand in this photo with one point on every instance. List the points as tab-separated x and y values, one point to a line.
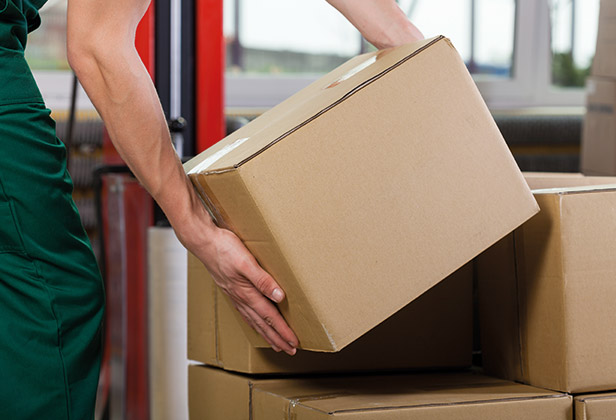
251	289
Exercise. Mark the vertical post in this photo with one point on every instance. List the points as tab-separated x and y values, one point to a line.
237	56
573	4
210	73
472	65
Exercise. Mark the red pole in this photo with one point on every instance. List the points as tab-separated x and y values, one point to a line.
210	66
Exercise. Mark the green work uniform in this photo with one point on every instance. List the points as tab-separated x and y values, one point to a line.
51	293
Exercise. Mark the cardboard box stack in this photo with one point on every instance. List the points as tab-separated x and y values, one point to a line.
547	291
365	195
598	155
216	394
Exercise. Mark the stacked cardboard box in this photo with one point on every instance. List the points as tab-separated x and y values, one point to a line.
364	195
416	337
547	291
216	394
595	407
599	134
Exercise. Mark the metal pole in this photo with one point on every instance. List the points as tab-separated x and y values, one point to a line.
472	66
572	28
237	58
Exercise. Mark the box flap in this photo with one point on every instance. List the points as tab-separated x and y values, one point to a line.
583	189
545	180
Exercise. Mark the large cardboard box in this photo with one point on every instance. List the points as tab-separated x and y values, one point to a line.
598	153
218	395
367	188
434	331
547	293
595	407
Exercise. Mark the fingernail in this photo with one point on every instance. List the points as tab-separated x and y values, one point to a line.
277	295
292	352
291	344
276	349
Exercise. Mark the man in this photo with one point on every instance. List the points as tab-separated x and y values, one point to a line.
51	297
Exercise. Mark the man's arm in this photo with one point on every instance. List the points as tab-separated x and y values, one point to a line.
381	22
101	39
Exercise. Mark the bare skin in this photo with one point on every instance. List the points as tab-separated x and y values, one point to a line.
101	50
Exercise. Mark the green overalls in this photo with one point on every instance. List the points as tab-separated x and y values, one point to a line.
51	293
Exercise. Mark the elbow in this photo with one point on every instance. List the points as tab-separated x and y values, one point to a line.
80	55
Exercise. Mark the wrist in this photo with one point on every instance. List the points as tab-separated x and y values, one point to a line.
191	221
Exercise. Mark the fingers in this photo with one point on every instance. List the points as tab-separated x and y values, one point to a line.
265	318
265	326
265	283
256	327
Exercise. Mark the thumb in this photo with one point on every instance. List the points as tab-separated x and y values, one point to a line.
267	285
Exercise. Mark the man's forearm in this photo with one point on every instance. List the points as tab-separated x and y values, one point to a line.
381	22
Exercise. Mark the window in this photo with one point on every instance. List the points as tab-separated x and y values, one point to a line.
46	49
522	53
574	34
46	55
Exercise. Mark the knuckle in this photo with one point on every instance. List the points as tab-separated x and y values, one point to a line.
261	324
269	320
263	283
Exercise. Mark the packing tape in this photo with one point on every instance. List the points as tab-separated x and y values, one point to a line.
215	157
208	203
298	400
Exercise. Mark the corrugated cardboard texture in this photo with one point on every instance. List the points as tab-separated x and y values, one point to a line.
360	195
434	331
425	397
547	292
598	154
595	407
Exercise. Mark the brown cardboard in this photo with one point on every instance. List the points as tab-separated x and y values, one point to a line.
460	396
547	293
607	9
416	337
595	407
545	180
367	188
604	61
598	153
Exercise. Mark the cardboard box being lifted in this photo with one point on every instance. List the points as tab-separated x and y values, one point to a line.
416	337
366	188
547	291
595	407
218	395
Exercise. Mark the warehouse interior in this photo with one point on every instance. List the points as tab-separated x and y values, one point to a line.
519	324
